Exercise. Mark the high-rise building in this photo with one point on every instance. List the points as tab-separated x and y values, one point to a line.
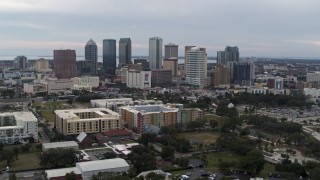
155	52
222	75
125	51
64	63
109	56
186	49
91	56
196	66
21	62
171	64
144	62
42	65
221	58
231	54
161	77
170	50
242	73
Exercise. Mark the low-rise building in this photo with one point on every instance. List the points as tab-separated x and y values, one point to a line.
17	126
118	134
94	120
115	104
63	145
91	81
85	170
90	168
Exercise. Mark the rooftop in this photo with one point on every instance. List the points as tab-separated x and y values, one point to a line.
102	164
64	144
72	113
152	108
61	172
91	43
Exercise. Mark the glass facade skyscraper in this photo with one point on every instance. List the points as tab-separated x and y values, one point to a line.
155	52
109	56
91	56
125	51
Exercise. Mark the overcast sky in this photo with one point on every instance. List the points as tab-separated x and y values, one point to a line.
285	28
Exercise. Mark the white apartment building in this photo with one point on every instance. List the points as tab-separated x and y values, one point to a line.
313	77
115	104
138	79
15	126
94	120
91	81
196	65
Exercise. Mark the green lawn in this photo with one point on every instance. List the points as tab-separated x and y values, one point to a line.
266	170
52	105
48	115
213	159
206	137
25	161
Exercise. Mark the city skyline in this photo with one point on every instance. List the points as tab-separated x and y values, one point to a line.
286	28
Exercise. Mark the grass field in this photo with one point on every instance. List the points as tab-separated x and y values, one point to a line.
52	105
206	138
25	161
48	115
213	159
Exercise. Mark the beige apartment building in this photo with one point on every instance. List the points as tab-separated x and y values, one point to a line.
94	120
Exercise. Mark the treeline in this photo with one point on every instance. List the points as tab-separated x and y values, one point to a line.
271	100
271	125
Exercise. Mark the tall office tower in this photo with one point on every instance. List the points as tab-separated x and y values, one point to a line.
144	62
125	51
64	63
231	54
155	52
109	56
196	63
242	73
186	49
170	50
91	56
221	58
20	62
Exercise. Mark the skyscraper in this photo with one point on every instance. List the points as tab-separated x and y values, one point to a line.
91	56
64	63
170	50
125	51
186	49
242	73
20	62
221	58
196	63
155	52
109	56
231	54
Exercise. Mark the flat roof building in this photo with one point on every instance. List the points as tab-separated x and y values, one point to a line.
90	168
115	104
63	145
94	120
16	126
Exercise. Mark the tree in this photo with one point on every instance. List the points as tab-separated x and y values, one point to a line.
1	146
8	156
142	159
146	138
167	152
26	147
315	173
59	158
71	176
253	162
154	176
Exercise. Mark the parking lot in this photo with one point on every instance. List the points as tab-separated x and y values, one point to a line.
201	173
97	154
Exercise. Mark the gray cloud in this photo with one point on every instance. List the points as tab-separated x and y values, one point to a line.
258	27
